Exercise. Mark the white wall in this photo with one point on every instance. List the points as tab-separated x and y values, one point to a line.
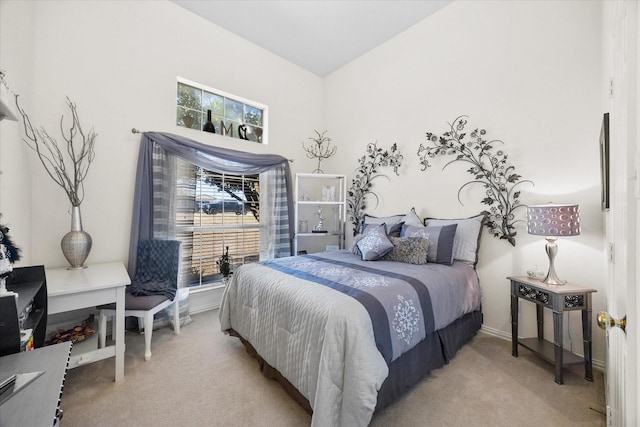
527	72
16	24
118	61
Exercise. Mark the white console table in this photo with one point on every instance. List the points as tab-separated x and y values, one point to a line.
95	285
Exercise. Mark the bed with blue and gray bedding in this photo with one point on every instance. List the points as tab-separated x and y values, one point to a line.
350	336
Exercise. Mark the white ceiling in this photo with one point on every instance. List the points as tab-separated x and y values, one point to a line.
320	36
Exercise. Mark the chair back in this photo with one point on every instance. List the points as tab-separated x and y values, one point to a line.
158	261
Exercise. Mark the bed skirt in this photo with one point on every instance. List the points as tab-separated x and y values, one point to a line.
435	351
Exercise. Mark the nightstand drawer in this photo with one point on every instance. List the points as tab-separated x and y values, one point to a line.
533	295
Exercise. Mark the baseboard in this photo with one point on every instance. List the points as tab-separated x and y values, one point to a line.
597	364
495	333
204	299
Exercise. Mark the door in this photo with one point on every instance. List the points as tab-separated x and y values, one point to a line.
620	38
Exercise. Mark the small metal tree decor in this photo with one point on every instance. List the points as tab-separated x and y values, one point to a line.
321	149
489	168
374	159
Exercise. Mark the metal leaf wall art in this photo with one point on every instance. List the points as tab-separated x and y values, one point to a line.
489	168
374	159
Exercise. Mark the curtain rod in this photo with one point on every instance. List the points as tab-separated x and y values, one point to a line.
134	130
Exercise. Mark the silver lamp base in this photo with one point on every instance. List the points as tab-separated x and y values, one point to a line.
552	249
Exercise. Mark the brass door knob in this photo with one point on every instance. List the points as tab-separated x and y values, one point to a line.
605	321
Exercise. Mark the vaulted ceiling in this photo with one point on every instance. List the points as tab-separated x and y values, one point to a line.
320	36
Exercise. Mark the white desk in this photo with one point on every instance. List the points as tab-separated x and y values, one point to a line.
97	284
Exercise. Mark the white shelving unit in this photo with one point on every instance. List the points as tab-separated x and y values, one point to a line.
315	193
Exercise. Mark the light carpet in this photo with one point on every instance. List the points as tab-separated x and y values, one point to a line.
203	377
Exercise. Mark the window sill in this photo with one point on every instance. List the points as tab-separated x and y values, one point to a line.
207	287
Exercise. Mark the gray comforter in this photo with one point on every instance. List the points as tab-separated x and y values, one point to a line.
330	323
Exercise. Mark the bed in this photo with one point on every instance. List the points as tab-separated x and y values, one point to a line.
348	336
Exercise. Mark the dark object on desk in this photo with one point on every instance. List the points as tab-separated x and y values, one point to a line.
9	381
28	311
319	231
16	383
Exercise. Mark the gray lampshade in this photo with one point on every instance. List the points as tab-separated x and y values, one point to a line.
553	220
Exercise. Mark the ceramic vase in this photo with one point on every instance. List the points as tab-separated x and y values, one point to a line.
76	244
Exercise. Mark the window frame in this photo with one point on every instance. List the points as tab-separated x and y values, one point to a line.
263	107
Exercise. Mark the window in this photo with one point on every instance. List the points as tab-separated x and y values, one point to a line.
231	115
215	211
175	177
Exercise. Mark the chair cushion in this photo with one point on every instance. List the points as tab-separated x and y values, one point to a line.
132	302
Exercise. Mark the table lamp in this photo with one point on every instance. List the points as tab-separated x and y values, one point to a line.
553	221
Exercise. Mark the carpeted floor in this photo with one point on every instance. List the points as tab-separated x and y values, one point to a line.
205	378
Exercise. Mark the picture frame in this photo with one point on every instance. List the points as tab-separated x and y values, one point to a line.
604	163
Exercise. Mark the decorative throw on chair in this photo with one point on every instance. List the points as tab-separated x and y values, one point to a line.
157	271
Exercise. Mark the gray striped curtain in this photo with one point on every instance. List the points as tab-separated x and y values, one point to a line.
274	217
164	195
154	194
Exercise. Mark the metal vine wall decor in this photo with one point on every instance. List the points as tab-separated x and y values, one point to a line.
489	168
374	159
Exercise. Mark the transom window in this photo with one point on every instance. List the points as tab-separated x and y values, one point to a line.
231	115
216	211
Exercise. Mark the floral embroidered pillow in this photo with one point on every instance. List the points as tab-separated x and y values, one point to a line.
410	250
375	244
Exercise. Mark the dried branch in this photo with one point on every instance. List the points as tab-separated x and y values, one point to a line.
78	155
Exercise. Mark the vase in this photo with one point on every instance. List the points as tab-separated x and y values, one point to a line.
76	244
208	126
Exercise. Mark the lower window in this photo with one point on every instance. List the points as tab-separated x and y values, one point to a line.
216	212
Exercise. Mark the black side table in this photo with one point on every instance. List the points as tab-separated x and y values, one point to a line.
559	298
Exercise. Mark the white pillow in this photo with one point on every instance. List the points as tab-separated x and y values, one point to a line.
467	240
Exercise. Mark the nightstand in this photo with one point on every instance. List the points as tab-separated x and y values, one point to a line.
558	298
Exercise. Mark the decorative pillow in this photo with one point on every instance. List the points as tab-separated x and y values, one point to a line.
375	244
393	223
467	240
412	218
392	229
410	250
440	241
